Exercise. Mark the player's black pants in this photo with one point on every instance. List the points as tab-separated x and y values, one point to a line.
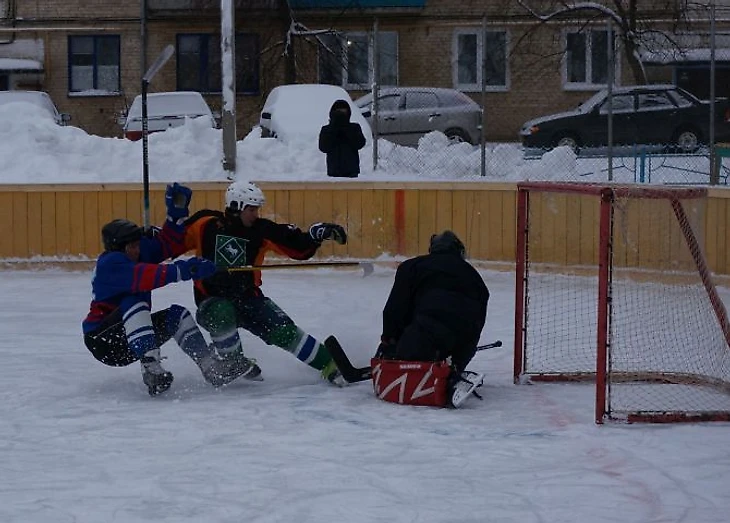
108	343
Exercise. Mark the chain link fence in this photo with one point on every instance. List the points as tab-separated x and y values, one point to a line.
431	143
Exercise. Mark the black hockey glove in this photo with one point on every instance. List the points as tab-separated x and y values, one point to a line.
328	231
177	200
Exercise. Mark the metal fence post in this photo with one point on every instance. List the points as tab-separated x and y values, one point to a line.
482	141
374	89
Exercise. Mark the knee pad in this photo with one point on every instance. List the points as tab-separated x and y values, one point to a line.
217	315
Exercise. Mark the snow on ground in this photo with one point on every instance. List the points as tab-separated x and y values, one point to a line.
81	442
36	150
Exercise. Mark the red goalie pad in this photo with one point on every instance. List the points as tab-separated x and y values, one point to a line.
411	382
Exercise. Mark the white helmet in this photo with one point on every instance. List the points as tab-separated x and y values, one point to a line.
241	194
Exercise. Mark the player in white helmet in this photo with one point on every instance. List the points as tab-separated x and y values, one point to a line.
230	300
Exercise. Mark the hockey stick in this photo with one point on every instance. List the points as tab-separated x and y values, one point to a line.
366	267
354	374
488	346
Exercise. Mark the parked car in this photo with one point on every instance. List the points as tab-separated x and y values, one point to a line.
37	98
647	114
407	113
297	112
165	110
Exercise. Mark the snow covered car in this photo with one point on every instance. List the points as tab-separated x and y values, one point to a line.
405	114
37	98
297	112
165	110
644	114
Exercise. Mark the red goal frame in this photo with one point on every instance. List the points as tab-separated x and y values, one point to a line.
603	375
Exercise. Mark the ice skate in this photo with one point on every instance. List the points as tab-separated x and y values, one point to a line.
333	375
464	386
157	379
219	371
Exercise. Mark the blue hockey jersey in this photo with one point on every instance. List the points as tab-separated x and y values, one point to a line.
117	276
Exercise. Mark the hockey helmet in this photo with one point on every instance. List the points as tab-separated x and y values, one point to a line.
447	241
241	194
118	233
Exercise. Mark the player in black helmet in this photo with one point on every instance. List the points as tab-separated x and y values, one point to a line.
120	327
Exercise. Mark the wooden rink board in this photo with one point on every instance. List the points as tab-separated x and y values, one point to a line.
53	223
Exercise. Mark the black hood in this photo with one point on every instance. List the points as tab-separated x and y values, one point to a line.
340	111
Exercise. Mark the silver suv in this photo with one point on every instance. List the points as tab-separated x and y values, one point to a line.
407	113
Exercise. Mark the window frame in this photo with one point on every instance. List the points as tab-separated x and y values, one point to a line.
588	60
477	86
97	92
341	38
204	43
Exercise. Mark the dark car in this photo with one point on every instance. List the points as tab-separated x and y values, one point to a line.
646	114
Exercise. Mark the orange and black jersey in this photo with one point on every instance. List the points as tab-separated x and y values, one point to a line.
224	239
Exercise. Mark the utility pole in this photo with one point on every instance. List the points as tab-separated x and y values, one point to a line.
228	69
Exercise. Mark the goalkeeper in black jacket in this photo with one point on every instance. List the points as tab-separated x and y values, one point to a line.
230	300
436	310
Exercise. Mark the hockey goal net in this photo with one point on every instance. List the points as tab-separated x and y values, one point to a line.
612	286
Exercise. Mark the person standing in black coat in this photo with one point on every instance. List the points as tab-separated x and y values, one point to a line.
437	307
341	140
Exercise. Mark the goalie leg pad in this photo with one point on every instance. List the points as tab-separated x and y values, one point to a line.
411	382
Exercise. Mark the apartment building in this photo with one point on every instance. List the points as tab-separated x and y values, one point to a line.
89	55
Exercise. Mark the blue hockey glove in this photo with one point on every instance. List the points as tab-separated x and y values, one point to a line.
328	231
177	200
195	268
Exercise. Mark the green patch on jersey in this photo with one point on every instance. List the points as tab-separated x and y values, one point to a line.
230	251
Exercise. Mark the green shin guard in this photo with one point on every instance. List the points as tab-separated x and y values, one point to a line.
307	349
217	316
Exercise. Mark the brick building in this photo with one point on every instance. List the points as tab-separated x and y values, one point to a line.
89	55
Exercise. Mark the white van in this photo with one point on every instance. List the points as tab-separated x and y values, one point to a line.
297	112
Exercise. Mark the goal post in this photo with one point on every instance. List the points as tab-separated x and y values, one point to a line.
612	287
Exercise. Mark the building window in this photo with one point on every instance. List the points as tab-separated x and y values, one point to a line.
199	63
347	59
93	64
468	51
586	59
